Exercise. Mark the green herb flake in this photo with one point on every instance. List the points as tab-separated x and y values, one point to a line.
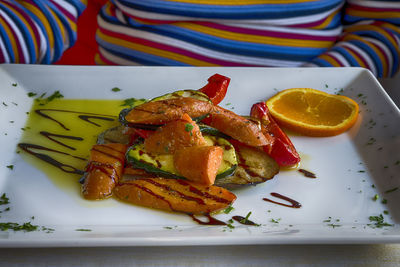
230	226
384	201
11	167
246	218
334	225
228	209
4	104
391	190
4	199
44	101
375	197
115	89
14	84
31	94
168	227
378	221
133	102
386	212
275	220
26	227
228	104
83	230
188	127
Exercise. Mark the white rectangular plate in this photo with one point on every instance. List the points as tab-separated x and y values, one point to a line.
351	168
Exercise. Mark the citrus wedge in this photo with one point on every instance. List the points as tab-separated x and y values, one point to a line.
312	112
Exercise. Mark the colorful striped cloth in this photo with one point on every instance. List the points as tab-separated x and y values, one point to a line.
275	33
37	31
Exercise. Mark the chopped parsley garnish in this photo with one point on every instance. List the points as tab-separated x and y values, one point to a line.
375	198
230	226
115	89
4	199
334	225
391	190
246	218
11	167
83	230
31	94
189	127
168	227
132	102
378	221
4	104
228	209
275	220
384	201
14	84
44	101
26	227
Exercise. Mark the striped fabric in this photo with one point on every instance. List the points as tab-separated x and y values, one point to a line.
37	31
277	33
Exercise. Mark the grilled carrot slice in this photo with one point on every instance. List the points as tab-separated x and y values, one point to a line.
174	195
104	170
163	111
199	164
238	127
173	136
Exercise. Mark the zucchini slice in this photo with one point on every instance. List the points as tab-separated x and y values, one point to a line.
163	165
183	93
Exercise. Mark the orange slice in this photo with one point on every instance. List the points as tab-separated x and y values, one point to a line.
312	112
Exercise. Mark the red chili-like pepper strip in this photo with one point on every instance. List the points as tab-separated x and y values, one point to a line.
281	148
216	88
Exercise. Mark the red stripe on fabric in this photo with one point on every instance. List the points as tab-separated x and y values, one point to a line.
105	60
2	58
335	58
172	49
267	33
372	9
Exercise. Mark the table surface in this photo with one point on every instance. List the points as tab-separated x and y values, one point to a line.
270	255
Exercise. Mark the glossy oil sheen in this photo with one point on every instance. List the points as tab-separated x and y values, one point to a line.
73	124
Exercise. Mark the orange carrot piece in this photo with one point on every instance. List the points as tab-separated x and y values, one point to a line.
104	170
174	135
238	127
199	164
175	195
163	111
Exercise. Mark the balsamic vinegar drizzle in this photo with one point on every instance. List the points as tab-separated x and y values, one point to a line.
49	136
88	117
294	203
307	173
211	220
64	167
243	220
85	116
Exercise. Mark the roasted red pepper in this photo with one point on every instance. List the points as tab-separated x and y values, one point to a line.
216	88
281	148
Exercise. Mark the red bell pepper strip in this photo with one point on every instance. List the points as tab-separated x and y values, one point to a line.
216	88
281	148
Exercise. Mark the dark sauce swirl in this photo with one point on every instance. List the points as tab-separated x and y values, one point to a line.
293	203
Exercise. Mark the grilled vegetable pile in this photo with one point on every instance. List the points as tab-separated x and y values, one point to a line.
182	152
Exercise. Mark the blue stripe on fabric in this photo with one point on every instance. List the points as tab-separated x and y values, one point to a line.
350	59
372	54
321	62
47	55
7	43
384	40
137	56
260	11
352	19
24	31
228	46
78	5
235	47
58	40
64	21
